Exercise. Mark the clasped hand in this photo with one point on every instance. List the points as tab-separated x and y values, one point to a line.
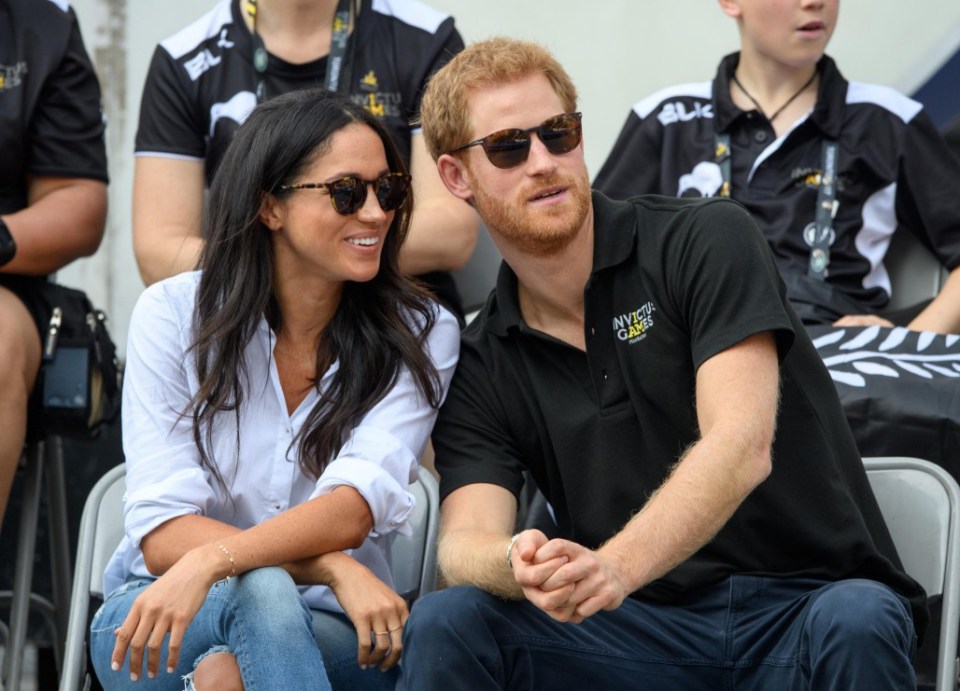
566	580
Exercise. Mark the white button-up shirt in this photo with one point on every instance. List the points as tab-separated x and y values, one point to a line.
164	476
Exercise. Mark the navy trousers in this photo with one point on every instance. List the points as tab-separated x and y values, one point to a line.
746	632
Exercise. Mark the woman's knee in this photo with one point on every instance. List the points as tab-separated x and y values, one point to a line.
268	597
217	672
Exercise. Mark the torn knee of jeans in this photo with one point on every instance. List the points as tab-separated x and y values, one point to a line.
188	678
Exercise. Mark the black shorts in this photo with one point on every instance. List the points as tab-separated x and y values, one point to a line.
33	293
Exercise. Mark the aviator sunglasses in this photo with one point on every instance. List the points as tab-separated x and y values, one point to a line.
508	148
348	194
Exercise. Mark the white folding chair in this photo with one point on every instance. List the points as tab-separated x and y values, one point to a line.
101	529
414	557
920	502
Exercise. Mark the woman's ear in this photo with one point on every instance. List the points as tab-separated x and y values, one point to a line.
271	212
455	176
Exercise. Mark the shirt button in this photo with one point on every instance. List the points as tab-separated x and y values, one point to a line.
276	506
760	136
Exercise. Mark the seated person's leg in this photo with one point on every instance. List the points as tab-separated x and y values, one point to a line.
20	352
258	617
465	638
860	635
218	672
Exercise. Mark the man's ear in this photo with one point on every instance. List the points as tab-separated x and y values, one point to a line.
455	177
271	212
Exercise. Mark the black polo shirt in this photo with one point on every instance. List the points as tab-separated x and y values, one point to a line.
894	169
51	123
599	430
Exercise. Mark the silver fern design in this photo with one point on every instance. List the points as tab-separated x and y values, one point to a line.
853	355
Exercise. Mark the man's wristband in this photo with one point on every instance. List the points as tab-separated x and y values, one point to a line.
513	541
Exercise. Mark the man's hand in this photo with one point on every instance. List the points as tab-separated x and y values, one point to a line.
566	580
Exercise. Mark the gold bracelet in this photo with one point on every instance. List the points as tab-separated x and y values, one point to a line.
233	564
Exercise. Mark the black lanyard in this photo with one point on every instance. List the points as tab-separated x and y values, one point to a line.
820	233
339	42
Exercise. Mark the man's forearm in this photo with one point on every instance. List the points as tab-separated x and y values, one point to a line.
477	558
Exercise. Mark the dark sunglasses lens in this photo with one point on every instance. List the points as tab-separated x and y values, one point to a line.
507	148
348	195
392	191
561	134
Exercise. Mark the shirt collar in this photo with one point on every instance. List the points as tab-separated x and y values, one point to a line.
827	113
614	237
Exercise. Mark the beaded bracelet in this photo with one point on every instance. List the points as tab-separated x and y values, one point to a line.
233	564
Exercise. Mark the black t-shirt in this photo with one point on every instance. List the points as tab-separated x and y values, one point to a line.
894	169
674	283
201	83
51	122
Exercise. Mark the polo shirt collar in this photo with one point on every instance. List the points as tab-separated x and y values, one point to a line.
827	113
614	237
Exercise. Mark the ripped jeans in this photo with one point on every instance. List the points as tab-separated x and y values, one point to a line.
259	617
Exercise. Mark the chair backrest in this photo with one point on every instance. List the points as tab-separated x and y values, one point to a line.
477	278
101	529
915	273
920	502
414	557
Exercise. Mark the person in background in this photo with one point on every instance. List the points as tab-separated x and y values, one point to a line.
276	403
829	168
205	79
53	194
716	526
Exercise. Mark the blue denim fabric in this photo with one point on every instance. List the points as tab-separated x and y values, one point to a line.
337	638
259	616
746	633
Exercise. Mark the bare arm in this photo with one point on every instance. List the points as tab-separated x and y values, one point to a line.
477	521
288	537
171	602
167	216
943	314
737	393
63	220
443	230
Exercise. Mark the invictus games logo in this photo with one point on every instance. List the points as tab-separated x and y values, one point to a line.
634	325
11	76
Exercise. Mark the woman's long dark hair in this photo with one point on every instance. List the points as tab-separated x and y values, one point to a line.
370	333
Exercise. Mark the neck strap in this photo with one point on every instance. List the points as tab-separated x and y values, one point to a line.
819	234
343	21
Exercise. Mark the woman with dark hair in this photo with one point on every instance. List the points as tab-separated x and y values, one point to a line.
275	404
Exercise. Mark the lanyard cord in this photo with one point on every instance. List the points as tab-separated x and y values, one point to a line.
339	42
820	233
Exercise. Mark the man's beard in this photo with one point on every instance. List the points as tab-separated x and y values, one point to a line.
537	231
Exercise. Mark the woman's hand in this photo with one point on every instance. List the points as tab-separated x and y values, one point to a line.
377	612
169	604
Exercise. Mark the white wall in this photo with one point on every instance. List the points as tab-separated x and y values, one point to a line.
616	51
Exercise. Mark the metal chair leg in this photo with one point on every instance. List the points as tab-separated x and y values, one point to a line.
23	569
44	460
61	565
